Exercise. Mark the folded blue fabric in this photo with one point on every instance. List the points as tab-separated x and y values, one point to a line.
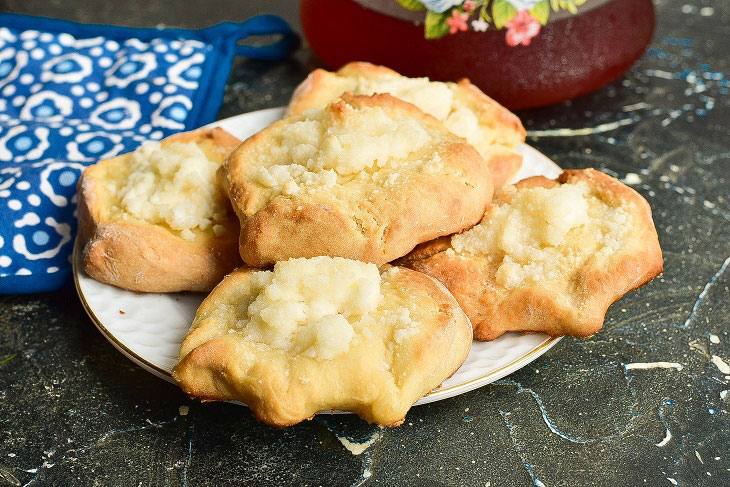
72	94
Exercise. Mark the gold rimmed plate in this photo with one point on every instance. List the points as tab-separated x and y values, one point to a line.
149	328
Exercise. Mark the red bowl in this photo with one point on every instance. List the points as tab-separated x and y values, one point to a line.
568	58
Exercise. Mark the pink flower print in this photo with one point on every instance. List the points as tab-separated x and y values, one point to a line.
469	5
521	29
457	21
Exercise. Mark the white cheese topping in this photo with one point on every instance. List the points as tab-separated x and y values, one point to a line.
309	306
172	185
464	123
319	307
436	98
314	151
433	97
542	234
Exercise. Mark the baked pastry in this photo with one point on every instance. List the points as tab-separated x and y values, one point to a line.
366	178
156	219
324	333
462	107
549	256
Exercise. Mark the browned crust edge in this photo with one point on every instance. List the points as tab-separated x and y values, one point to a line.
317	88
535	311
208	368
150	258
495	111
429	208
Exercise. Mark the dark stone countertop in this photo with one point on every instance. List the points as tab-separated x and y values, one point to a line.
74	411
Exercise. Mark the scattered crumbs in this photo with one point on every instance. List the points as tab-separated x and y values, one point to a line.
714	338
653	365
632	178
699	347
183	410
697	454
720	364
635	106
122	312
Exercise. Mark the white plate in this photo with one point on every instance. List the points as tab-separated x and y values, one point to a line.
148	328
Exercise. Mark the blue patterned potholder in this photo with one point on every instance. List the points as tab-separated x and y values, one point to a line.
72	94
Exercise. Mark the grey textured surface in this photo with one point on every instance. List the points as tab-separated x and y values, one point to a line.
74	411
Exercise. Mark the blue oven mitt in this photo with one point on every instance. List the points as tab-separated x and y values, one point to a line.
72	94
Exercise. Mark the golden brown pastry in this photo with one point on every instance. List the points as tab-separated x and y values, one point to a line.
462	107
549	256
156	219
324	333
366	178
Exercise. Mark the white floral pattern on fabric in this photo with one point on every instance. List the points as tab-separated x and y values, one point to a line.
66	103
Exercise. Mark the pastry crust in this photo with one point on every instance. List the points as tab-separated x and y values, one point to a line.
576	303
139	256
499	131
376	214
378	377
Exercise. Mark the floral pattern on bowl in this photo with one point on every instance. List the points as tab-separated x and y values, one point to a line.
521	19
